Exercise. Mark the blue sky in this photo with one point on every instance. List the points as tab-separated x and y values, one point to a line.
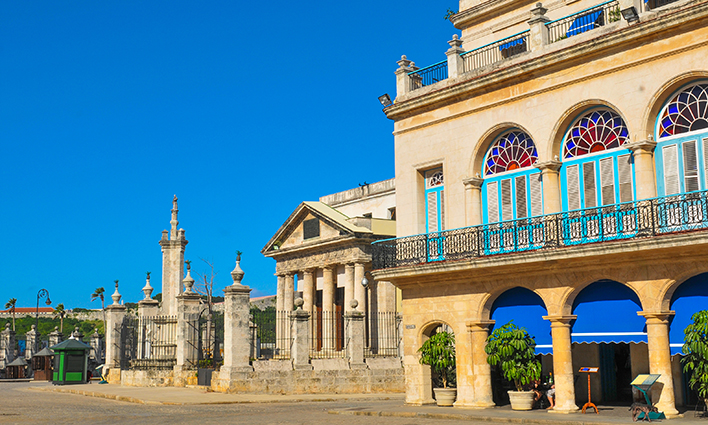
242	109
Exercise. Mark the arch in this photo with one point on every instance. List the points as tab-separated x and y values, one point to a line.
596	130
686	111
485	310
512	150
568	301
662	95
686	299
667	292
526	309
428	327
482	146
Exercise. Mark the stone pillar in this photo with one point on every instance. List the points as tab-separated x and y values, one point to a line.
147	307
188	306
32	342
644	176
300	351
280	294
328	292
403	80
473	200
97	346
551	186
289	292
662	392
563	363
114	322
479	331
55	337
172	262
7	346
236	326
354	325
538	37
359	289
454	60
348	286
308	290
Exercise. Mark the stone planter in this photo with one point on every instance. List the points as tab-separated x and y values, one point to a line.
521	400
445	397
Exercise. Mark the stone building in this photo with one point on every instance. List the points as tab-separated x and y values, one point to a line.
566	147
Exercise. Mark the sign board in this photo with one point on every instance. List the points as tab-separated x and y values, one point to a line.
589	369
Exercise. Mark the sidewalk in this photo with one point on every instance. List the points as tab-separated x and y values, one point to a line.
361	404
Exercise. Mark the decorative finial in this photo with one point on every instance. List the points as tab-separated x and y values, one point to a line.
174	222
354	304
116	295
237	273
188	281
299	302
147	289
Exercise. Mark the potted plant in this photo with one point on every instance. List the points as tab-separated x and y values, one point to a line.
438	352
514	350
695	350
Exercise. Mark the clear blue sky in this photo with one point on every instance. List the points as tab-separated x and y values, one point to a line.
242	109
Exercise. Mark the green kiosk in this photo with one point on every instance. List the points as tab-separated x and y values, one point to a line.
70	362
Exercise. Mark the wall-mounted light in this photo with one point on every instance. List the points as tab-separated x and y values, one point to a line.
385	100
630	14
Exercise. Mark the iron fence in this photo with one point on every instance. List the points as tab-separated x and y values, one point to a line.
584	21
429	75
327	335
631	220
271	334
148	342
495	52
383	336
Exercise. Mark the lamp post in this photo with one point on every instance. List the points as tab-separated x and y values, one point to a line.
43	293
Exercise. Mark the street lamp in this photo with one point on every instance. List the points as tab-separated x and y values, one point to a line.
43	293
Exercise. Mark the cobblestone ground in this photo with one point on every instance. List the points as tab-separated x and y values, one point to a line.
20	405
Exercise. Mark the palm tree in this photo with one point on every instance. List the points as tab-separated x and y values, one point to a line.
60	313
11	306
98	293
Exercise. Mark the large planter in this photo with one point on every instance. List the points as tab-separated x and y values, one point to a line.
445	397
521	400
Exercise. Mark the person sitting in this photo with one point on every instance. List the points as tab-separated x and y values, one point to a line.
551	394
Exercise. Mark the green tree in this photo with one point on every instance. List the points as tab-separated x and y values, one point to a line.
11	305
99	293
695	350
514	350
60	313
438	352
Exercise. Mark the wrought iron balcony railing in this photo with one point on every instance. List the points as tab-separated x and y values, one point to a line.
495	52
429	75
631	220
583	21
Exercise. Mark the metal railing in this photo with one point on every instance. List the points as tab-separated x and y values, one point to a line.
382	334
631	220
271	338
327	335
653	4
429	75
149	342
495	52
583	21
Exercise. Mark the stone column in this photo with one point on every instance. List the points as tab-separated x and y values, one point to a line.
662	392
97	346
328	292
354	324
644	176
482	381
114	322
55	337
563	363
348	286
289	292
308	290
236	326
359	289
300	351
172	262
7	346
188	326
454	60
280	294
32	342
538	37
551	185
403	81
473	200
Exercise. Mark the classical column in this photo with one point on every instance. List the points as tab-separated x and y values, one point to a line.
280	294
644	177
289	292
551	185
482	380
328	292
473	200
349	286
359	289
662	393
308	290
237	337
563	363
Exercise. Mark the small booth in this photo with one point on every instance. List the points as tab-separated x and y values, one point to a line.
16	369
42	365
70	362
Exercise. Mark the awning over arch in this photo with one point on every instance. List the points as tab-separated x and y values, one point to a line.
607	312
689	298
526	310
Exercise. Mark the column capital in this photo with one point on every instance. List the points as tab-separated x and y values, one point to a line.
656	317
473	182
480	325
560	320
329	267
641	146
548	166
309	270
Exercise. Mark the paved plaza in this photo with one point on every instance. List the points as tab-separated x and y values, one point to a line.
36	403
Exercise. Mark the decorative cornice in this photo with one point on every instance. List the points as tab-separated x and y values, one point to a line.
473	182
553	165
646	146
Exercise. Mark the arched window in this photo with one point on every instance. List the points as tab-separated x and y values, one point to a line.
596	170
682	134
512	187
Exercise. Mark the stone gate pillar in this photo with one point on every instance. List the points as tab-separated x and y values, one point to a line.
97	346
563	363
187	326
300	351
32	342
114	322
354	323
237	338
662	392
7	346
55	337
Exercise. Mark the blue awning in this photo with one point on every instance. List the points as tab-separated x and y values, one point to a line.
526	310
584	23
689	298
512	43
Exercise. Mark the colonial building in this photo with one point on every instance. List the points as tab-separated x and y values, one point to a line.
323	252
553	171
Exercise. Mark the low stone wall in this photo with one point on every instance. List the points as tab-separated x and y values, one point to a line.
278	377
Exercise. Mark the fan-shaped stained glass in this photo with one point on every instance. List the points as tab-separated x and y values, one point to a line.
512	151
595	131
686	111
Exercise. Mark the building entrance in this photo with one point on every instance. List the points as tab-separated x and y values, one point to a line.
616	372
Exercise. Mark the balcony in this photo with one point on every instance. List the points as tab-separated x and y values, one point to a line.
651	218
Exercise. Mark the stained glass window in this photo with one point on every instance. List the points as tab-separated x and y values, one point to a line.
435	178
595	131
512	151
686	111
